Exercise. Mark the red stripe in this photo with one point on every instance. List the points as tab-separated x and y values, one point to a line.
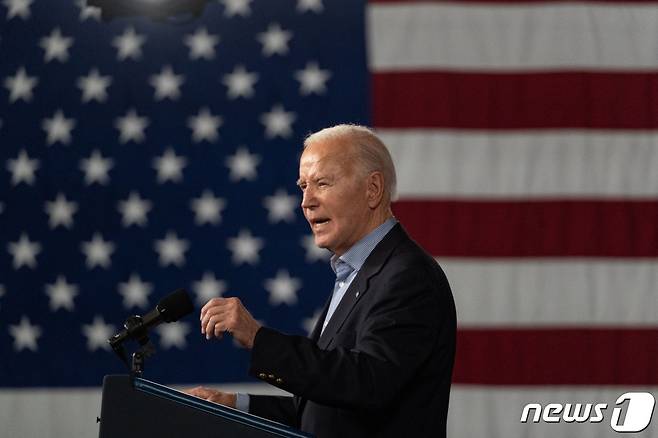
515	100
557	357
533	228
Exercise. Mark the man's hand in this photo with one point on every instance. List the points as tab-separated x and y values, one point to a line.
213	395
228	315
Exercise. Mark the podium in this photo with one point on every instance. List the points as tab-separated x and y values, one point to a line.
140	408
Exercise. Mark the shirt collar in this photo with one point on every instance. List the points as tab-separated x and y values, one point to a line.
359	252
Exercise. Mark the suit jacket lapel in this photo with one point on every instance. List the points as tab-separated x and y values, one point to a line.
315	333
359	286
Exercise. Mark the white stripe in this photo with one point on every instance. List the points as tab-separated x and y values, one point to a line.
427	36
36	413
553	292
439	163
477	411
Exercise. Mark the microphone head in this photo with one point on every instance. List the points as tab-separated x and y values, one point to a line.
175	305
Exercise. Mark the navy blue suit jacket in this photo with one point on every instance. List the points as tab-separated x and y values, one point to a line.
382	366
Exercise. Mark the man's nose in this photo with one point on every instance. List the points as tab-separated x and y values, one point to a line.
308	198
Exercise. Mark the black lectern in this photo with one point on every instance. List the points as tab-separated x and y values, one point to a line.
140	409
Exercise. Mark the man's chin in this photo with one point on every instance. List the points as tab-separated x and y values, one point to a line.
321	242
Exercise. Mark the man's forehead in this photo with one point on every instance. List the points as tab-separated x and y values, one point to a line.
326	165
327	154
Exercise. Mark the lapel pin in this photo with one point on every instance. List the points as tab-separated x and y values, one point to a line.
357	294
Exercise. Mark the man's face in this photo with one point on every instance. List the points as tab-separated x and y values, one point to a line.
334	196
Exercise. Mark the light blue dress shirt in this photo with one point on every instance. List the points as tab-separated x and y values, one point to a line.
354	258
349	265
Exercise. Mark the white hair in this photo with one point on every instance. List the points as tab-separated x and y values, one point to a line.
371	153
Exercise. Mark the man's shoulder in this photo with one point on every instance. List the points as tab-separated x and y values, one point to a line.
406	250
409	270
400	254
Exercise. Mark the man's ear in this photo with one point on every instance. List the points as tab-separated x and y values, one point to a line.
375	192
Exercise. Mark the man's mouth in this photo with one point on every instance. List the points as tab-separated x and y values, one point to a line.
319	223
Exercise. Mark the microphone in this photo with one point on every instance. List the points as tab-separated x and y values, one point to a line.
171	308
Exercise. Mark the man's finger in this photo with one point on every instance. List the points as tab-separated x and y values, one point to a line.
210	304
213	303
220	329
213	315
199	391
215	323
210	312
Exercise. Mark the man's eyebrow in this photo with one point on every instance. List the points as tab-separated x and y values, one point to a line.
315	179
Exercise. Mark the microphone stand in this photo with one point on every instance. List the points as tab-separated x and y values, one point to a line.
138	358
134	324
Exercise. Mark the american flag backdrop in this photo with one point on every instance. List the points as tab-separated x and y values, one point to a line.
139	156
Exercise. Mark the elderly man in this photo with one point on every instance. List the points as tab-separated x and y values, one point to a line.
380	358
